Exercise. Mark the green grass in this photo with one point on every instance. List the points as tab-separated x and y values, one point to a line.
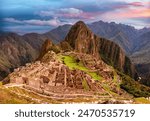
107	88
115	80
115	77
73	64
142	100
85	85
133	87
94	75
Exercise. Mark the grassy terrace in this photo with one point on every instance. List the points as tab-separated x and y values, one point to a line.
16	95
115	80
7	97
73	64
127	83
107	87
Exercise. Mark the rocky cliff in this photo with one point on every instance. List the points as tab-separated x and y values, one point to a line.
112	54
48	46
45	47
83	40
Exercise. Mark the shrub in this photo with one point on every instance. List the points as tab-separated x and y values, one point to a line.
133	87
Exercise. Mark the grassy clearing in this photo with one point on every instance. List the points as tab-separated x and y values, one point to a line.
73	64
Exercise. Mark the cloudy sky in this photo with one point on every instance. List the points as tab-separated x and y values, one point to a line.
24	16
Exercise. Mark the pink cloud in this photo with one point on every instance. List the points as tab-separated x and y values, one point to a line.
129	11
131	4
128	15
133	13
136	4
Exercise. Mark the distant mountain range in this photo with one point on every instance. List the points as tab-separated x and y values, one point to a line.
134	42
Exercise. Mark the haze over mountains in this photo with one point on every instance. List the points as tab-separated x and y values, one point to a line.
134	42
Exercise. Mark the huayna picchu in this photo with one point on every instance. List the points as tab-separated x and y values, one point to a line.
83	68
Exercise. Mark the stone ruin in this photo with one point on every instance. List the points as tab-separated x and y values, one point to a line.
41	75
50	74
94	65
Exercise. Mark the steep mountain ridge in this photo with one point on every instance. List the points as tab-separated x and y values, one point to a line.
115	56
143	49
59	33
114	32
35	40
141	57
82	40
14	52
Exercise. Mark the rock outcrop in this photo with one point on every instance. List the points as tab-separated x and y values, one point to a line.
47	46
83	40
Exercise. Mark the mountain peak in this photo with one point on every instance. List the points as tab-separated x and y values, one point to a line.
80	23
79	26
81	38
45	47
48	43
